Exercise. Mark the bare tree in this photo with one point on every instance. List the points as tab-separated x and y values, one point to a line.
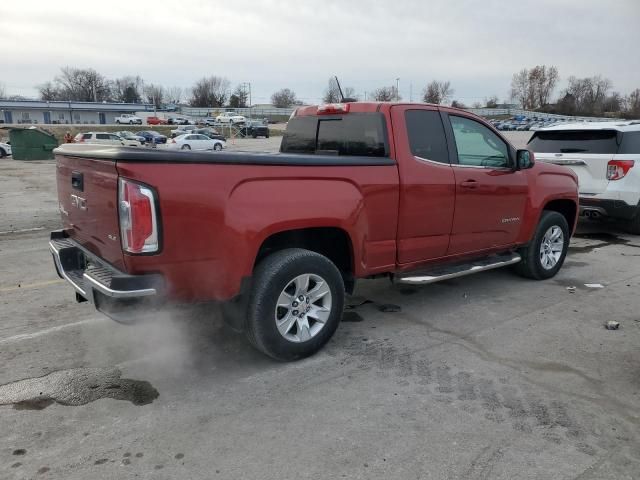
350	93
3	91
437	92
520	88
457	104
48	91
173	95
332	93
385	94
83	85
239	97
283	98
127	89
586	95
491	102
476	105
154	94
632	102
209	92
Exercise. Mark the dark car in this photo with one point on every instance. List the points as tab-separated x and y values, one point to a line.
255	129
152	137
211	133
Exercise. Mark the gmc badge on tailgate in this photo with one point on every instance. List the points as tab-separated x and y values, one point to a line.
78	202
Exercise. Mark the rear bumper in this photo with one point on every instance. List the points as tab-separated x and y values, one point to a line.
616	209
116	294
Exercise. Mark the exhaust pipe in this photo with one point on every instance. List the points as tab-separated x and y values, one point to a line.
592	214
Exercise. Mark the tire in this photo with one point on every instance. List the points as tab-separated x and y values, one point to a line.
282	276
267	135
633	226
533	260
185	147
2	153
217	147
254	135
118	122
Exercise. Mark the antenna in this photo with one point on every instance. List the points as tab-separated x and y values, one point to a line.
339	87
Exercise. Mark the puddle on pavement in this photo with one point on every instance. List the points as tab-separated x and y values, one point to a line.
77	386
603	239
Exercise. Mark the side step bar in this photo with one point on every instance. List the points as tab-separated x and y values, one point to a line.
439	274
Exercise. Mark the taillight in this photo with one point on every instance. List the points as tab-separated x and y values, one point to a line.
330	108
138	222
617	169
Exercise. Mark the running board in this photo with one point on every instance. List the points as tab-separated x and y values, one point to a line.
439	274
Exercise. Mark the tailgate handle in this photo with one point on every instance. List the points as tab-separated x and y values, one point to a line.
77	181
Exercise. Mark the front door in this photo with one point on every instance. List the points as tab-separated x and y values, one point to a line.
427	196
490	195
102	118
47	117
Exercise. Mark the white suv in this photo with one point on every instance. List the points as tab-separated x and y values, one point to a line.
606	157
128	119
106	138
230	117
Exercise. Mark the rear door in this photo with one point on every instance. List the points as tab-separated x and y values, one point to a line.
88	204
427	195
586	152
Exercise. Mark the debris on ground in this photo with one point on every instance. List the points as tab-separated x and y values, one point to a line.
354	301
389	308
594	285
571	289
612	325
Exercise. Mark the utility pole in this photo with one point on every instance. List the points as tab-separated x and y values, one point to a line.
398	89
410	91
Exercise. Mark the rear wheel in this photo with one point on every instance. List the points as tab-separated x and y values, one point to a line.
217	147
545	254
2	153
633	226
295	304
185	147
118	122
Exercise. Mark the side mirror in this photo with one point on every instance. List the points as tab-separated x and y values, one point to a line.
524	159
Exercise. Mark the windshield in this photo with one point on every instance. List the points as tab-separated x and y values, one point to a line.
574	141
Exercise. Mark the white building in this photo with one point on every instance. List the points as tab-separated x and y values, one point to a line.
59	112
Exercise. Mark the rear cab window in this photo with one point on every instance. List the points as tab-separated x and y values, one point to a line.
426	135
352	134
575	141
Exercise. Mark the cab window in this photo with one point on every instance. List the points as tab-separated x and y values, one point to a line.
477	145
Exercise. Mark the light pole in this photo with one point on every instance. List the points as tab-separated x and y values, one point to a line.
246	86
398	89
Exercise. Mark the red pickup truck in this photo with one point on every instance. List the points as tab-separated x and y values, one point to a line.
415	192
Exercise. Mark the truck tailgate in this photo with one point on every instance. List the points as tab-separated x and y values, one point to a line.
88	203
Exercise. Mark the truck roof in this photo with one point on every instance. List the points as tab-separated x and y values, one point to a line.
370	107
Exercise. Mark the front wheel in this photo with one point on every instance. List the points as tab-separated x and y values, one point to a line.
217	147
545	254
295	304
2	153
118	122
186	147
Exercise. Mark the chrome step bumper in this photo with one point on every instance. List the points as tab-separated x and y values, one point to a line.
94	280
438	274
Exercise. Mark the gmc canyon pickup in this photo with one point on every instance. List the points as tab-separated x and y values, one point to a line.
415	192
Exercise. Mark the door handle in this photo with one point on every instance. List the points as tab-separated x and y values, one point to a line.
469	184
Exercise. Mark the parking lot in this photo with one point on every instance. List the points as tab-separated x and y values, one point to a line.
489	376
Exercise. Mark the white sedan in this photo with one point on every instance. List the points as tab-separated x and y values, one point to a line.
230	117
194	141
5	150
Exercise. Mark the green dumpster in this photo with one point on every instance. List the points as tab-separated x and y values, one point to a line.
32	144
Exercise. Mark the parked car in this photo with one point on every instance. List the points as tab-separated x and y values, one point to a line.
194	141
211	121
230	117
211	133
131	136
5	150
606	158
152	137
182	129
255	129
129	119
99	138
156	121
276	239
179	120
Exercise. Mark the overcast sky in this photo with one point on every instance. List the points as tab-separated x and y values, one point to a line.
477	45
